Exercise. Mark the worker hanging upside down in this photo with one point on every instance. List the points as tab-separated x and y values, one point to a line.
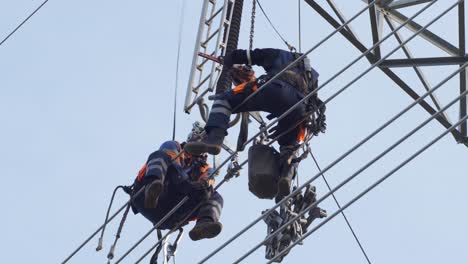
167	178
275	98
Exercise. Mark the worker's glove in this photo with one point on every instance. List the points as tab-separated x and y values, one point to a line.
200	190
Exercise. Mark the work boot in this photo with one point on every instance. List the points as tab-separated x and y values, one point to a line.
152	192
211	144
205	228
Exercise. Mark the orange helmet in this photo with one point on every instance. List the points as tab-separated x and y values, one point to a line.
242	73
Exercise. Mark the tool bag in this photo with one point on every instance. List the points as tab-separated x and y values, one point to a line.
263	171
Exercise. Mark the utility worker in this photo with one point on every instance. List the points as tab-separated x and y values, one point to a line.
276	98
167	178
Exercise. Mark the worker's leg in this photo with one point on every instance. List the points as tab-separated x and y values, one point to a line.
208	225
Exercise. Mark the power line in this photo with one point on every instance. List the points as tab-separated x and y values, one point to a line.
181	23
354	175
339	207
24	21
371	187
352	149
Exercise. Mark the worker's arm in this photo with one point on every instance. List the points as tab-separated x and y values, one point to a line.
260	57
159	161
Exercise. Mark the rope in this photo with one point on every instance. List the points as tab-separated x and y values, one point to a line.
344	155
339	207
372	187
252	24
106	220
299	24
24	21
181	23
290	47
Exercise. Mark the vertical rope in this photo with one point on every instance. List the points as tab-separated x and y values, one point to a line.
181	23
299	24
252	24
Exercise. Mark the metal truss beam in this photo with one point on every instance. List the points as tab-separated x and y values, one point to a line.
462	46
418	71
340	16
405	3
375	32
432	61
426	34
372	59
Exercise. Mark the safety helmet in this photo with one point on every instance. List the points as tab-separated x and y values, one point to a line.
242	73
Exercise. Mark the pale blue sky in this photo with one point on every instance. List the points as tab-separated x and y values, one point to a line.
86	95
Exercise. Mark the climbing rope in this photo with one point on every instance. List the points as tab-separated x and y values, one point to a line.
179	43
290	47
252	24
23	22
299	24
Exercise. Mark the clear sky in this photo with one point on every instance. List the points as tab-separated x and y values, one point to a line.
86	94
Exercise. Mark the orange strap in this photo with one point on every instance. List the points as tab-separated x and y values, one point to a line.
239	88
205	176
301	135
141	173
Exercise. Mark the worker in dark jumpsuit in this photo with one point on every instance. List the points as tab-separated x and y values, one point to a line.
167	178
276	98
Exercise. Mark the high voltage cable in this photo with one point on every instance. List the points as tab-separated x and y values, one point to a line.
339	207
347	153
372	186
181	23
347	180
414	35
24	21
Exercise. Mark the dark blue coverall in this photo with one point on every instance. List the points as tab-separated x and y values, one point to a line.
275	99
177	176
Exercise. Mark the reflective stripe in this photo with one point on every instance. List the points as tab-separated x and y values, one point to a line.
157	161
224	103
221	110
210	210
155	167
